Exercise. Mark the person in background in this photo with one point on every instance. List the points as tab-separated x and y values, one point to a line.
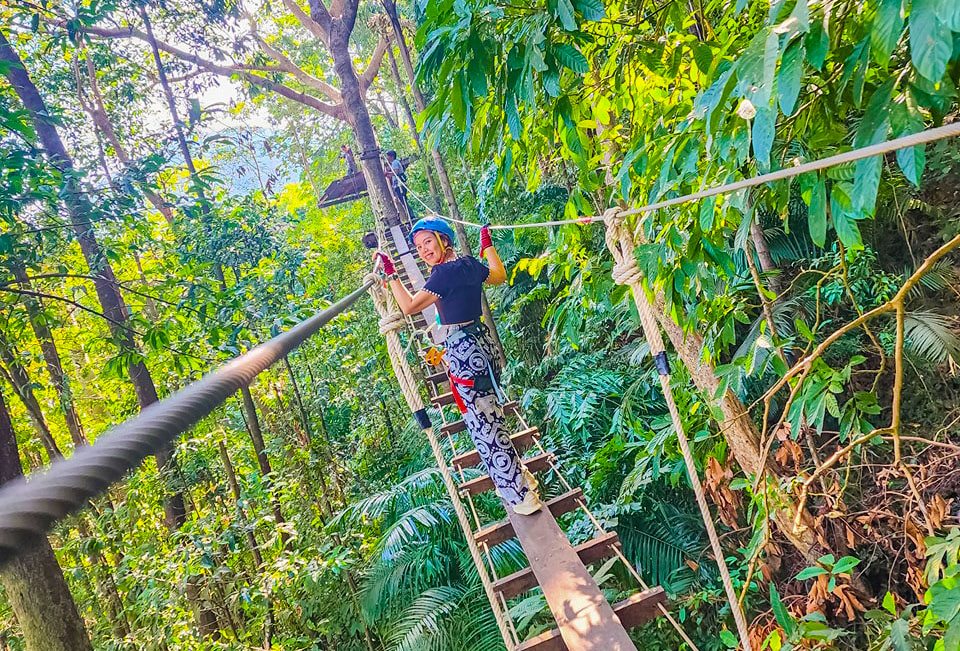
346	153
454	286
398	181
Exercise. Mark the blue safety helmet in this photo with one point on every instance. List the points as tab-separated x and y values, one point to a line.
435	225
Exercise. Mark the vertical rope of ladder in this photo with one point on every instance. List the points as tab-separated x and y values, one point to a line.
391	321
625	272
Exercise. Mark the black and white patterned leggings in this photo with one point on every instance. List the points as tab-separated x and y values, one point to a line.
471	354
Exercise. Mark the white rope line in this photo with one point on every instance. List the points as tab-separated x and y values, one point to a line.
620	241
912	140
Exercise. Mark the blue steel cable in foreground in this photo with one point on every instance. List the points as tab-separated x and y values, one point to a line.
29	507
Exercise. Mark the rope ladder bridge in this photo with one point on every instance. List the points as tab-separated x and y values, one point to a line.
585	620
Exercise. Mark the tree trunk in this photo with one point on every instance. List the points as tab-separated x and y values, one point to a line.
98	113
17	376
256	437
737	428
51	356
763	253
235	490
34	584
391	8
105	281
412	125
359	119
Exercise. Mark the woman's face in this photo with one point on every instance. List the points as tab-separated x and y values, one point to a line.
428	247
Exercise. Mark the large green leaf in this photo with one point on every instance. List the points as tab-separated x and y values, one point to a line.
950	14
886	30
764	129
931	42
591	9
844	216
790	78
565	12
570	57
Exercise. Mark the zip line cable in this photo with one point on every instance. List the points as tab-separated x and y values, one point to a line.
30	506
886	147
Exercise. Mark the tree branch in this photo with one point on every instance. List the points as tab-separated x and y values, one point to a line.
374	66
307	22
288	66
321	17
334	111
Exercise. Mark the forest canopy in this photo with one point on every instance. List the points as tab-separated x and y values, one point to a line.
170	183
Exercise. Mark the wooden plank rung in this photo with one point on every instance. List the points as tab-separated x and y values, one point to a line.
482	484
499	532
636	609
589	552
521	441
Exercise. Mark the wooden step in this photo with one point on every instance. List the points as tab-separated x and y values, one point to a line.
511	407
521	441
589	552
443	399
482	484
499	532
437	378
636	609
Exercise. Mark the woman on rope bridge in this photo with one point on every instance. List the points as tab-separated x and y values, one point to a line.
454	286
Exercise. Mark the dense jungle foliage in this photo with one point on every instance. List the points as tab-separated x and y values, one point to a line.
162	163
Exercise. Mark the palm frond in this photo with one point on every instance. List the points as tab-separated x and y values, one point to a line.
931	336
419	627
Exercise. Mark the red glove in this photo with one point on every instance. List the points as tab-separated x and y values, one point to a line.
485	239
387	262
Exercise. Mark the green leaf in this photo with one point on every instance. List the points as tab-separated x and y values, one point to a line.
844	220
950	14
457	105
912	160
570	57
764	129
591	9
889	604
845	564
818	43
790	78
817	215
810	573
786	622
931	43
564	12
513	117
708	212
886	30
729	639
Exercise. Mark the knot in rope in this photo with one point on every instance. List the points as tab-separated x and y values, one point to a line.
620	242
391	321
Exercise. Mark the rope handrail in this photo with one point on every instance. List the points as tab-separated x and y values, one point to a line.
30	506
886	147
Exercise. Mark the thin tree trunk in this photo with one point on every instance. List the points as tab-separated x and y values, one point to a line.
33	583
106	585
51	356
244	518
763	253
738	430
105	281
412	125
98	113
391	8
17	376
256	437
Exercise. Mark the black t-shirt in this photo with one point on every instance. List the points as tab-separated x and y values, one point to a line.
457	283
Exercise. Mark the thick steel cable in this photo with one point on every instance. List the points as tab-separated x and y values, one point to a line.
29	507
912	140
